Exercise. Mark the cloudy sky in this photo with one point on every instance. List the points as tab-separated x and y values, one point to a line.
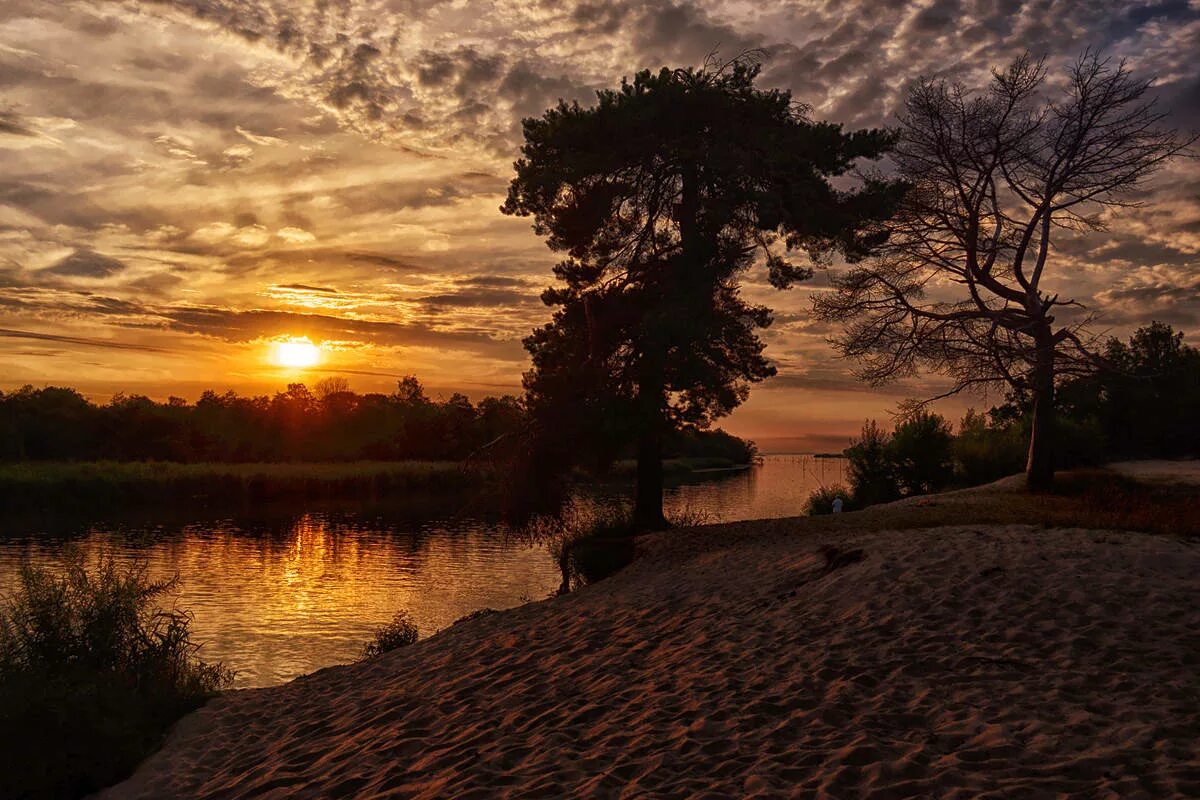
184	182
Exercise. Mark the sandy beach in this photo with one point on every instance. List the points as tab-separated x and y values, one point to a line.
765	659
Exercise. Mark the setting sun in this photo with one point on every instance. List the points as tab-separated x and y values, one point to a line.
295	353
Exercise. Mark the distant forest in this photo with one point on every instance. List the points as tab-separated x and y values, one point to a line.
326	423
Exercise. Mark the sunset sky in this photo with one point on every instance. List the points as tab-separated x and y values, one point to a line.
184	185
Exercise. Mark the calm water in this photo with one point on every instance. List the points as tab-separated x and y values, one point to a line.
279	594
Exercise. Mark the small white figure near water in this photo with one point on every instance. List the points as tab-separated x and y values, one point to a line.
837	505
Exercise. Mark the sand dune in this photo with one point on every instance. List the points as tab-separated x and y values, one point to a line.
732	661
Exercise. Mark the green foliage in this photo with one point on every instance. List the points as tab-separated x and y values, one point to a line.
92	673
986	452
820	501
334	424
871	471
400	632
921	454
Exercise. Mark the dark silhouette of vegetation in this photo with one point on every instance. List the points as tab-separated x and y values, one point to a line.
988	448
330	424
917	457
820	501
588	540
870	471
960	286
400	632
299	424
92	674
1145	400
95	485
660	196
1141	404
921	453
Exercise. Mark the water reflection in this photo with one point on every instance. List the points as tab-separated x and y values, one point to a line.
778	487
277	593
279	600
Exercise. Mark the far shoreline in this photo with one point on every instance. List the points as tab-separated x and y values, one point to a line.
102	486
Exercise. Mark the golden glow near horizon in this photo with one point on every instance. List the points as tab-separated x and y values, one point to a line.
295	353
232	194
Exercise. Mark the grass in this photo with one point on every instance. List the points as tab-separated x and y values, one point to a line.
33	485
592	540
92	674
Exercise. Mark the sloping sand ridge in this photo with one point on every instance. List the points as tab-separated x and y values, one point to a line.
743	660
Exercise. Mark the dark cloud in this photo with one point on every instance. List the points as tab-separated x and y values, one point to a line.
89	342
235	325
303	287
496	281
1172	297
12	124
85	263
385	260
482	298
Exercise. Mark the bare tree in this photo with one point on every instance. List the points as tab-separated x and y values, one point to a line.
960	286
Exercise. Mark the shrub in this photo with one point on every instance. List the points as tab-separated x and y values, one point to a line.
984	453
1080	443
921	452
820	501
871	473
92	674
400	632
688	517
589	540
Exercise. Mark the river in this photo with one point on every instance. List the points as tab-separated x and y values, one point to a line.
279	592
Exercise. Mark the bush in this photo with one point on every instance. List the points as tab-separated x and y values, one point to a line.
921	452
589	540
871	473
92	674
984	453
400	632
1080	443
688	517
820	501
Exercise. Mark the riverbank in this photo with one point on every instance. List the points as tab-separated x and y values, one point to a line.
104	485
919	649
107	484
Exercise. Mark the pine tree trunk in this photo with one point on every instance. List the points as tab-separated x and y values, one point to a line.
648	501
1039	468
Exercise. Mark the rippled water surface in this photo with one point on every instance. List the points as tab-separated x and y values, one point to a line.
277	593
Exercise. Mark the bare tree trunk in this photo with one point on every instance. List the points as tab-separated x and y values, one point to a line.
1039	468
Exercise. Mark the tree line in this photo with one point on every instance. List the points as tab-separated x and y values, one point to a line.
1142	405
326	423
